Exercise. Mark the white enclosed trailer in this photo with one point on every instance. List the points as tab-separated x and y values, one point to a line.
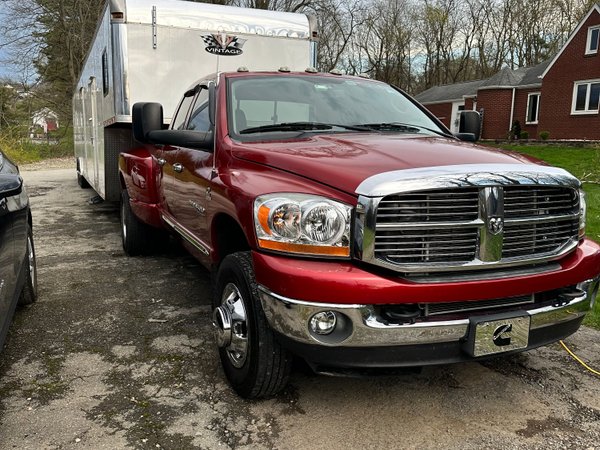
152	50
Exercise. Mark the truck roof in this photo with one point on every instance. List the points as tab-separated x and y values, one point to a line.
244	72
218	18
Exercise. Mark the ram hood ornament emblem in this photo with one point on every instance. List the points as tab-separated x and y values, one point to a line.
496	225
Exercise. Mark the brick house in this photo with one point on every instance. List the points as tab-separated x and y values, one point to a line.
560	95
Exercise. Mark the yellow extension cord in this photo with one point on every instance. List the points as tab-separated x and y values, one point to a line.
576	358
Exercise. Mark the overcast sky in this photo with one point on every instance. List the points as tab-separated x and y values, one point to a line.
7	70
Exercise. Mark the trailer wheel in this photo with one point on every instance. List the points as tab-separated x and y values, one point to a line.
138	238
29	293
254	362
81	181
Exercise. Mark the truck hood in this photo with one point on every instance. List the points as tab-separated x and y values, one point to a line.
343	161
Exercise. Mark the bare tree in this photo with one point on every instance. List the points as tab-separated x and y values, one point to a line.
338	21
384	41
411	43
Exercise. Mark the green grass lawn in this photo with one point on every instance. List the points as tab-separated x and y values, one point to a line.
584	163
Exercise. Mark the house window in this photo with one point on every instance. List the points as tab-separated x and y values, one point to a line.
533	108
593	40
586	97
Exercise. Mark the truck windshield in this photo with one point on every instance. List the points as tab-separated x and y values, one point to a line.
270	105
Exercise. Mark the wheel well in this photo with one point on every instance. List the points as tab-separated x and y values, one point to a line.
228	237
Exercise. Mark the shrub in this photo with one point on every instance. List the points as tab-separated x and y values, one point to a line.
524	135
544	135
21	149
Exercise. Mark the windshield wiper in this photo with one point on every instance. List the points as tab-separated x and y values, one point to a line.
301	126
403	127
392	126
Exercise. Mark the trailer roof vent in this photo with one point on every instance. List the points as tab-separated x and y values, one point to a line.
335	72
243	69
285	69
311	70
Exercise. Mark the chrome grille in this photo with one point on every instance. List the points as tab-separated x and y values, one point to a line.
429	207
530	201
472	227
538	238
427	245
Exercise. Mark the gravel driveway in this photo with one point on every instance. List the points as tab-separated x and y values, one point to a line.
118	353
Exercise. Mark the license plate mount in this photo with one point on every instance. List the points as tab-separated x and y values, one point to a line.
493	334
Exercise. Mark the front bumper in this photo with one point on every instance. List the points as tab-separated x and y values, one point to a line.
362	338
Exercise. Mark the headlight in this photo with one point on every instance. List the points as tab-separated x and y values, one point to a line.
582	212
302	223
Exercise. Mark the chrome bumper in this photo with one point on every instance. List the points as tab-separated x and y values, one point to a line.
362	327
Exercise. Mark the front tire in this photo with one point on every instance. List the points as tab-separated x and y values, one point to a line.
29	294
255	364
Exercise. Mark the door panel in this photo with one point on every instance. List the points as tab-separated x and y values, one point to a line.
190	192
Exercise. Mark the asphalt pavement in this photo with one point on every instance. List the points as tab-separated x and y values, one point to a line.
118	353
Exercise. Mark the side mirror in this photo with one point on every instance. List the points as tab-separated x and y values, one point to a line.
182	138
10	185
146	117
470	123
467	137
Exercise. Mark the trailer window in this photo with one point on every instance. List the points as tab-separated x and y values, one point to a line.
105	84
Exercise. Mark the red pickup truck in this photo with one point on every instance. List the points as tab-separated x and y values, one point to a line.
346	225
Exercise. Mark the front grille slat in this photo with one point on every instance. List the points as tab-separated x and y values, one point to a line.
435	309
428	206
539	201
431	229
404	244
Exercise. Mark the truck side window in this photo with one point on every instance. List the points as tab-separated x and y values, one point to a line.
199	120
179	119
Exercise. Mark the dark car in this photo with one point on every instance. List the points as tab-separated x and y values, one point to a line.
18	275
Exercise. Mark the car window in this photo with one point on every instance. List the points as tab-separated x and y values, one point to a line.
179	119
199	120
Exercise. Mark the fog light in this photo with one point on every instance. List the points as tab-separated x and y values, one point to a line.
323	322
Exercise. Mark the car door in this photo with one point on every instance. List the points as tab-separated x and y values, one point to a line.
166	157
190	191
13	219
7	274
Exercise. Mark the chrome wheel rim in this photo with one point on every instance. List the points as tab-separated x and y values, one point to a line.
31	261
123	225
231	323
